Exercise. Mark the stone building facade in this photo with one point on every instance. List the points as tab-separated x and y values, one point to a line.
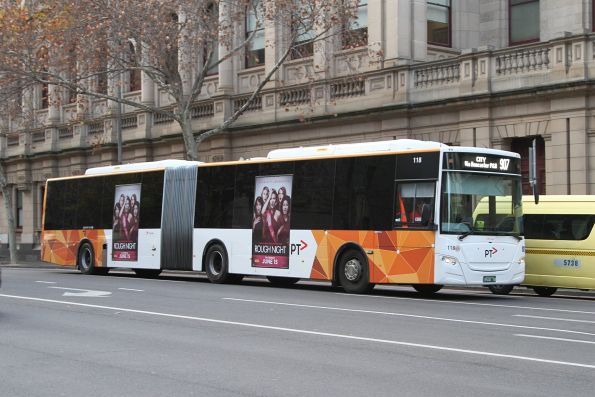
486	73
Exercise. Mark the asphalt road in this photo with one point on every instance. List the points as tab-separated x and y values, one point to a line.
67	334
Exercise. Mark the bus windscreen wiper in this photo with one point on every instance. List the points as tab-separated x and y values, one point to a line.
468	232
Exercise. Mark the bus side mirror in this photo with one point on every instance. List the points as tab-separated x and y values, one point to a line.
533	170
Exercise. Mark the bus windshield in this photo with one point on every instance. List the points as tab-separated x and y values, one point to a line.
475	203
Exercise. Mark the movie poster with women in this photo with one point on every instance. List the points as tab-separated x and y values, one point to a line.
126	219
271	221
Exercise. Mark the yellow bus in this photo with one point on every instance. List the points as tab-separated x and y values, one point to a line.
560	244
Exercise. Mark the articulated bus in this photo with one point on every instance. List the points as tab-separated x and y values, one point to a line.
392	212
560	244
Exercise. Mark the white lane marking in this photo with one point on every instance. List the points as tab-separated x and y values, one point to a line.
131	289
454	320
552	338
89	293
46	282
467	303
555	318
307	332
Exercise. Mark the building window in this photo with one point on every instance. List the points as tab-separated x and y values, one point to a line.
44	100
355	31
211	64
135	76
19	209
255	25
439	22
523	20
302	31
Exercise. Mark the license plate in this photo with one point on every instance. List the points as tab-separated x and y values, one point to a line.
489	279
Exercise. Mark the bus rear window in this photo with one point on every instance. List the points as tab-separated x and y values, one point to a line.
558	227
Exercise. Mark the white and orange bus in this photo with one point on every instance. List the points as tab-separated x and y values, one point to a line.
392	212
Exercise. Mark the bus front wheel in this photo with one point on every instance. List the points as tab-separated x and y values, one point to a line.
500	289
545	291
217	266
86	260
354	273
427	289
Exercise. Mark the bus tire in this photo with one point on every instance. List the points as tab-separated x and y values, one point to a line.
545	291
427	289
282	281
500	289
86	259
217	265
147	273
354	273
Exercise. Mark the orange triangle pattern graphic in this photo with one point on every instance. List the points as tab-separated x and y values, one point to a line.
400	256
60	246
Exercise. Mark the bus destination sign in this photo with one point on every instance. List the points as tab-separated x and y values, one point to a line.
481	162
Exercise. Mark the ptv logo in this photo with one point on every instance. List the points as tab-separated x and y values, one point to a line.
491	252
297	248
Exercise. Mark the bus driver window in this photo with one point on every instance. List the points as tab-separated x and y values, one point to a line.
414	204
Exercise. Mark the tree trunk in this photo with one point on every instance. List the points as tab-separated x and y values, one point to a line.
185	123
6	193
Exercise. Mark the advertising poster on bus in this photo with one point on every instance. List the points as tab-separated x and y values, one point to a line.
126	219
271	221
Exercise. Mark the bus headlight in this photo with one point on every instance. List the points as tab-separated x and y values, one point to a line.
450	260
521	261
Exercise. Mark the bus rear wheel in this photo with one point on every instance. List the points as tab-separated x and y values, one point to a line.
427	289
354	273
148	273
282	281
545	291
217	266
500	289
86	260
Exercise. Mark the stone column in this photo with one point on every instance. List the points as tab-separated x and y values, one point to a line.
274	46
82	101
147	94
55	101
225	67
406	31
376	43
187	57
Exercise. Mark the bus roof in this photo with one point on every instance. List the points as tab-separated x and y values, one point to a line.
331	150
559	204
353	148
150	165
397	145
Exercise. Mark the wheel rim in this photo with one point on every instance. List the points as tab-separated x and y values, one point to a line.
216	263
353	269
86	258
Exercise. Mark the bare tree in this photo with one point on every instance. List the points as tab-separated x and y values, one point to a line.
173	43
